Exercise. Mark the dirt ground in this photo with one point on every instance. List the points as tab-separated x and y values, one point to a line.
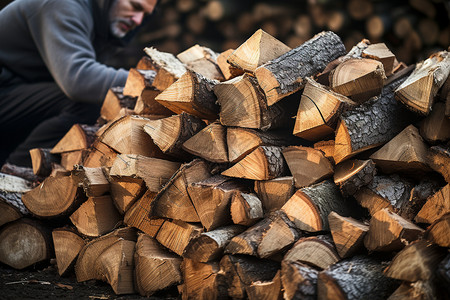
47	284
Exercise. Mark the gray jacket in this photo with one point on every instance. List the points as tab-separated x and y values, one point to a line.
64	41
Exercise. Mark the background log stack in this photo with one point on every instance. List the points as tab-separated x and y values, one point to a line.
221	193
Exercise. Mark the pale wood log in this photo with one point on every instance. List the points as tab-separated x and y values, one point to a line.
137	81
99	155
299	280
390	232
146	104
155	267
274	193
116	103
435	127
176	235
285	74
202	60
438	231
93	180
125	191
42	161
438	158
246	208
79	137
353	174
436	206
72	158
381	53
265	290
68	245
227	69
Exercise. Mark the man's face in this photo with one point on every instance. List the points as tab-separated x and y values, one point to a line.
125	15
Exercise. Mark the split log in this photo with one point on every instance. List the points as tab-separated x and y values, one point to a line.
307	165
418	91
263	163
360	277
79	137
299	281
319	111
438	231
353	174
381	53
438	158
436	126
257	50
116	104
348	234
42	161
10	208
210	245
274	193
201	60
285	74
170	133
193	94
390	232
24	242
246	208
72	158
93	180
227	69
99	155
435	207
327	147
155	267
176	235
137	81
68	245
309	207
265	290
415	290
125	191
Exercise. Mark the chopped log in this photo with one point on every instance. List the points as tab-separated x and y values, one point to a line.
307	165
390	232
155	172
176	235
79	137
202	60
438	231
170	133
125	191
93	180
358	79
246	208
96	216
99	155
9	208
137	81
24	243
319	111
418	196
84	267
68	245
353	174
274	193
317	251
438	158
193	94
227	69
359	277
173	200
210	245
348	234
155	267
72	158
42	161
436	126
263	163
327	147
116	104
138	215
381	53
54	197
257	50
212	198
309	207
285	75
210	143
116	266
417	261
414	290
265	290
299	280
435	207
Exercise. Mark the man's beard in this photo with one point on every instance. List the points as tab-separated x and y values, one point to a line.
117	27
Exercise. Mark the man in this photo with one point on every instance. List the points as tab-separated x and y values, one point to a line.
52	71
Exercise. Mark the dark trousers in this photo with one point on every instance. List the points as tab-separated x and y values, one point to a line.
37	115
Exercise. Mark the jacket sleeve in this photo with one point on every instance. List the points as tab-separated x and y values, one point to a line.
63	33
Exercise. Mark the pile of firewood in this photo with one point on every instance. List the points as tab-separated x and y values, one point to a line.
262	172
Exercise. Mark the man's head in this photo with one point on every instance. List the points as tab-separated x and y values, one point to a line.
125	15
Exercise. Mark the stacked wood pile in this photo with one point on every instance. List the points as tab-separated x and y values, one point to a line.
262	172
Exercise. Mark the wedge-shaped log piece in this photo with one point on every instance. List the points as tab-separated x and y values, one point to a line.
265	290
43	161
264	163
96	216
227	69
125	191
299	281
405	153
168	67
24	243
99	155
285	75
93	180
70	159
173	200
242	141
210	143
274	193
54	197
170	133
319	111
84	267
210	245
155	267
243	104
202	281
436	206
418	91
438	231
348	234
318	251
137	81
307	165
381	53
176	235
438	158
246	208
417	261
67	244
390	232
10	207
79	137
414	290
309	207
359	277
116	104
353	174
193	94
212	199
260	48
155	172
202	60
327	147
436	126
